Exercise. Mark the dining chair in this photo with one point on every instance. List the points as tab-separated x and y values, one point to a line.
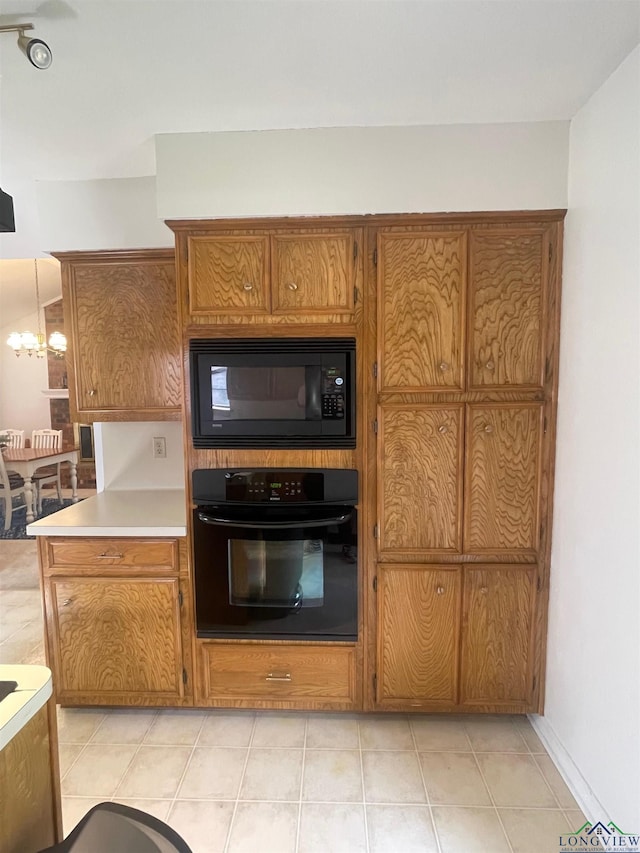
52	439
15	437
11	485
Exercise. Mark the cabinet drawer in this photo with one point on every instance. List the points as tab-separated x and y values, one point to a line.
279	672
63	553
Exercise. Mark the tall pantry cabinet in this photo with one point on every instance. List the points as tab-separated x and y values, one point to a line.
464	407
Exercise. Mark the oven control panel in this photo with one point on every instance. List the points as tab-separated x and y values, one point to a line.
274	486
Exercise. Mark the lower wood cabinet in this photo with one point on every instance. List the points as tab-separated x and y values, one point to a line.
117	634
455	637
278	675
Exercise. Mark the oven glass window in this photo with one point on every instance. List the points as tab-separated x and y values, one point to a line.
281	573
258	393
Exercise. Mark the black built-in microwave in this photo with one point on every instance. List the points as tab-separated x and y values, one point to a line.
270	392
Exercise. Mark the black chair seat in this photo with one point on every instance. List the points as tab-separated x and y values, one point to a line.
15	480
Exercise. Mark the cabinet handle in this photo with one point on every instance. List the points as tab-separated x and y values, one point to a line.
439	590
443	428
487	428
292	286
67	602
444	366
274	676
92	392
484	590
490	365
110	556
247	285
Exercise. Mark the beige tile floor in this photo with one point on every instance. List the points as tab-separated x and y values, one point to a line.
265	782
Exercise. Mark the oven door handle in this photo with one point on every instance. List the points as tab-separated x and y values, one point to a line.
274	525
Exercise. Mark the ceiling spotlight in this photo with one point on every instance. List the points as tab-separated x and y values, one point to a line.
37	51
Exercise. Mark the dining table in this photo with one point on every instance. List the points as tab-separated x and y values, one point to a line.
26	461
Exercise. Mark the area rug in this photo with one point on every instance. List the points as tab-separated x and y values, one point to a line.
19	518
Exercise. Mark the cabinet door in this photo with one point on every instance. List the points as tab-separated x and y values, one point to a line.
502	477
497	631
228	275
419	479
421	294
508	274
313	273
125	342
418	630
115	637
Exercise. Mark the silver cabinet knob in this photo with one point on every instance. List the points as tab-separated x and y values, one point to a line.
444	366
247	285
292	286
440	590
484	590
443	428
91	392
490	365
67	602
488	428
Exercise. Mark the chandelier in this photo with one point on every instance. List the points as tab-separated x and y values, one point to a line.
27	342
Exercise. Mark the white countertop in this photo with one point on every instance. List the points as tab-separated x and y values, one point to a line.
139	512
33	690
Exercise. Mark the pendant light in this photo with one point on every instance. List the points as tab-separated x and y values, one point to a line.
27	342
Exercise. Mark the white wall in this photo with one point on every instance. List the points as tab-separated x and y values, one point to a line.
124	458
362	170
22	379
593	676
107	214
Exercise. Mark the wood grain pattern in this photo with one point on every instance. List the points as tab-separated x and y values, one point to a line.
507	285
28	821
228	275
121	323
116	635
502	477
279	672
422	288
112	553
498	614
419	626
419	484
313	273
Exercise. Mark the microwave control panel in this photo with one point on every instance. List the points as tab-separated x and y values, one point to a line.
333	393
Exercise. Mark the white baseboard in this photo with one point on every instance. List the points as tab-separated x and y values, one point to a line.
577	784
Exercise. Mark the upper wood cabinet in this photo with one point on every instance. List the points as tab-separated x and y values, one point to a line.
421	293
268	275
124	350
433	284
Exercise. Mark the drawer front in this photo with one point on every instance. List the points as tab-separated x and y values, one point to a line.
112	553
279	672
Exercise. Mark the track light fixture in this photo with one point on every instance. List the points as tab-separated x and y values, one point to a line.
37	52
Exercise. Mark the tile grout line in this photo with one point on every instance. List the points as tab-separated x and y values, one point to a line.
242	775
482	776
364	790
133	757
304	759
186	766
426	789
553	793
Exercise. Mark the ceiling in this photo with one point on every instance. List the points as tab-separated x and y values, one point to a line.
125	70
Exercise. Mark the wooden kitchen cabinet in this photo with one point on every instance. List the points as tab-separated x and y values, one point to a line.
418	635
117	621
420	453
497	635
123	340
267	274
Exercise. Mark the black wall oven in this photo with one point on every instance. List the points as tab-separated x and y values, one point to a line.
275	554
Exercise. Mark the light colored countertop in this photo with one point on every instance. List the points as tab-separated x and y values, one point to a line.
140	512
34	688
